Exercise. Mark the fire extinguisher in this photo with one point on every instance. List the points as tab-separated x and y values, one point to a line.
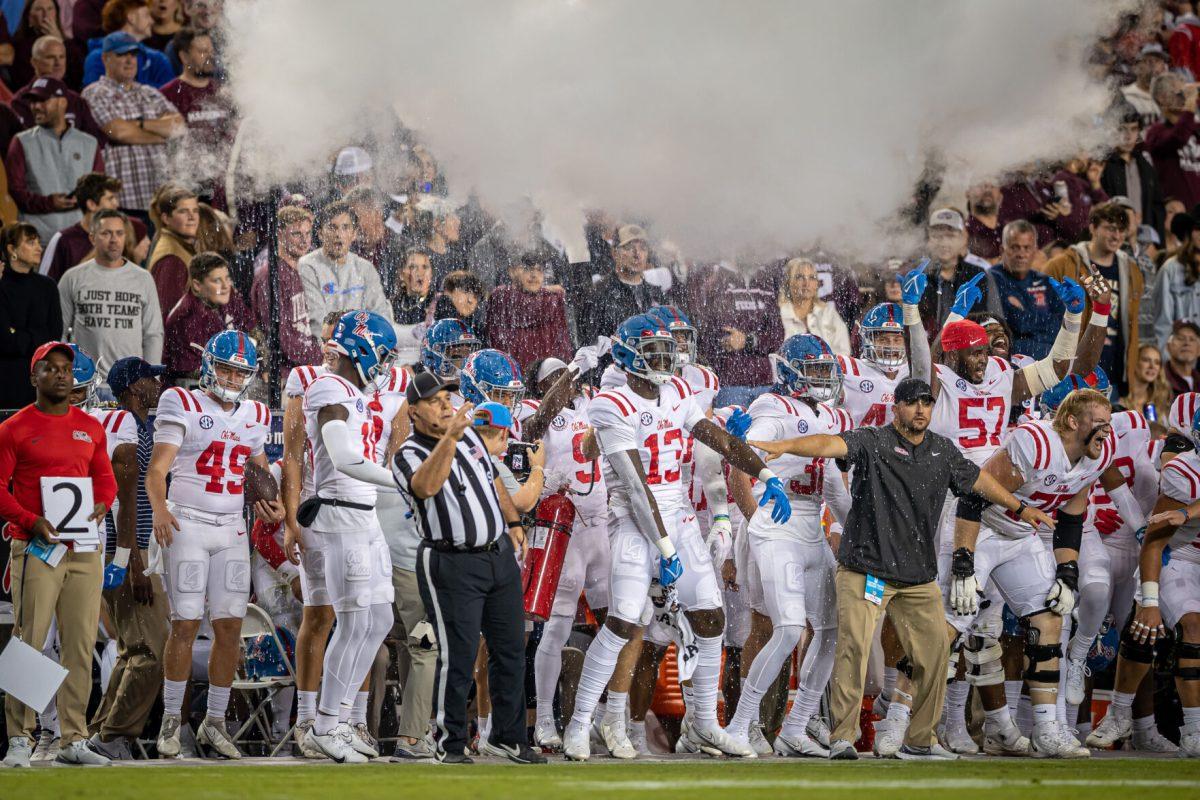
554	518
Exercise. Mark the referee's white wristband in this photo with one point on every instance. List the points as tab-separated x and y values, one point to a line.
1150	594
765	474
121	557
666	548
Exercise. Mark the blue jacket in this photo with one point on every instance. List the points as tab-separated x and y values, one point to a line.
1031	309
153	67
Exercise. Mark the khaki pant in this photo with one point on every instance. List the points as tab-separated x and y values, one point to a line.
921	624
417	664
136	681
69	592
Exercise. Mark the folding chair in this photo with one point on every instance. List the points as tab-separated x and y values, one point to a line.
258	623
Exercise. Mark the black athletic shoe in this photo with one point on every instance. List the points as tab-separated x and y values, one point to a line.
518	754
442	757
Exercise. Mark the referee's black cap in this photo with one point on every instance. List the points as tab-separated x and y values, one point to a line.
910	390
425	385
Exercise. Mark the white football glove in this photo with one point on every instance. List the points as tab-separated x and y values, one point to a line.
586	358
1061	598
964	595
720	538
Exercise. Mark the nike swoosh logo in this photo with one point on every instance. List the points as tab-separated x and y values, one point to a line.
248	425
674	408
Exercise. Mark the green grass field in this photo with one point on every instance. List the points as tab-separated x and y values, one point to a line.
1109	778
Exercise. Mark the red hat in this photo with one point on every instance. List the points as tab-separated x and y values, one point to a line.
963	334
48	348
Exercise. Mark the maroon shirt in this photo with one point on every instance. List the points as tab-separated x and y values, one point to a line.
983	241
1175	150
171	278
750	305
206	111
297	346
193	320
528	326
70	246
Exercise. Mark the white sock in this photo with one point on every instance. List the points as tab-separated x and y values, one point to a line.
547	663
598	667
1191	717
1012	695
306	706
1121	701
998	718
1025	714
358	713
814	675
324	723
747	709
485	728
689	698
955	710
889	683
218	701
1144	723
1072	714
173	697
706	680
637	730
899	712
1044	713
617	703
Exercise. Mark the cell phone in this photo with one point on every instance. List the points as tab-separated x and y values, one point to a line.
1060	190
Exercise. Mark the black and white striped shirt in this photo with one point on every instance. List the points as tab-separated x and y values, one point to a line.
466	510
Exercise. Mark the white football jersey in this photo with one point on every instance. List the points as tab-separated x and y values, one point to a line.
1181	481
120	427
660	430
209	468
974	415
701	380
869	393
366	429
1036	450
777	417
298	381
565	462
1133	459
386	401
1183	408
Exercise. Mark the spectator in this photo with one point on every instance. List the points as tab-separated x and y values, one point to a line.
1149	391
1183	350
1084	192
446	251
1031	307
71	245
1139	246
110	304
948	270
1151	62
137	120
176	213
49	60
168	19
1033	196
129	20
983	226
1103	255
414	295
802	312
351	168
203	15
207	111
45	162
376	242
622	294
297	347
1177	289
52	437
462	298
1129	172
30	314
211	305
524	318
42	18
85	19
1172	141
334	278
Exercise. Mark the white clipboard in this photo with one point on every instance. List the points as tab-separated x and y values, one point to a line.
28	675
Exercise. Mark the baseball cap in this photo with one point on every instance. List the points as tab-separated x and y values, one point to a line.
963	334
630	233
45	350
119	42
127	371
492	415
1191	325
947	218
43	88
1122	201
352	161
425	385
1152	49
910	390
1146	234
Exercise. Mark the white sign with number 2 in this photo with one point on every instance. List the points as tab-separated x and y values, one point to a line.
67	503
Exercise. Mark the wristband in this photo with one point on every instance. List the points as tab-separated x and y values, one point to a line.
1103	309
911	313
515	524
1149	594
765	474
1021	508
724	517
121	557
666	548
1099	320
953	316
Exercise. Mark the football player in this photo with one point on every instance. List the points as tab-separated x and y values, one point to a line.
204	438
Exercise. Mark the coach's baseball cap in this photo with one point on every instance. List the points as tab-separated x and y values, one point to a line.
48	348
119	42
44	88
492	415
425	385
947	218
910	390
128	371
630	233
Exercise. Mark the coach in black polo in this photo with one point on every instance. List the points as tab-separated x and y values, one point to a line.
466	570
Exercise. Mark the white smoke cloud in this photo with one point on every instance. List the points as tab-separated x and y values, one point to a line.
731	125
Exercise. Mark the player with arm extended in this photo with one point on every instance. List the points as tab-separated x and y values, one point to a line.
204	439
641	431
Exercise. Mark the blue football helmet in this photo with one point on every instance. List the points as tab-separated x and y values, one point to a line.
491	376
1195	427
645	347
84	370
231	350
884	318
446	347
1052	398
369	341
681	328
806	367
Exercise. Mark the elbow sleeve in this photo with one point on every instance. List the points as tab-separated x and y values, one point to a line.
1128	507
970	507
336	438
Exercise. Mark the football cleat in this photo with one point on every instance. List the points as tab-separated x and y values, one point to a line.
1077	673
715	741
545	736
1004	741
956	739
338	745
307	749
818	730
1116	726
799	746
363	741
168	737
1151	741
758	740
889	739
577	744
213	736
615	739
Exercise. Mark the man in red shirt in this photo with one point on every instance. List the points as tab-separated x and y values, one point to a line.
53	438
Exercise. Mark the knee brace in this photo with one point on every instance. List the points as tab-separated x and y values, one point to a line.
1133	650
1038	653
1189	651
984	666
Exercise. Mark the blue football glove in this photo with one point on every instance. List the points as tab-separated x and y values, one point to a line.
669	570
912	284
738	424
781	510
1071	294
114	576
968	295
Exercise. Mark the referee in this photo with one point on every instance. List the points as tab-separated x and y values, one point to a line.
466	570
